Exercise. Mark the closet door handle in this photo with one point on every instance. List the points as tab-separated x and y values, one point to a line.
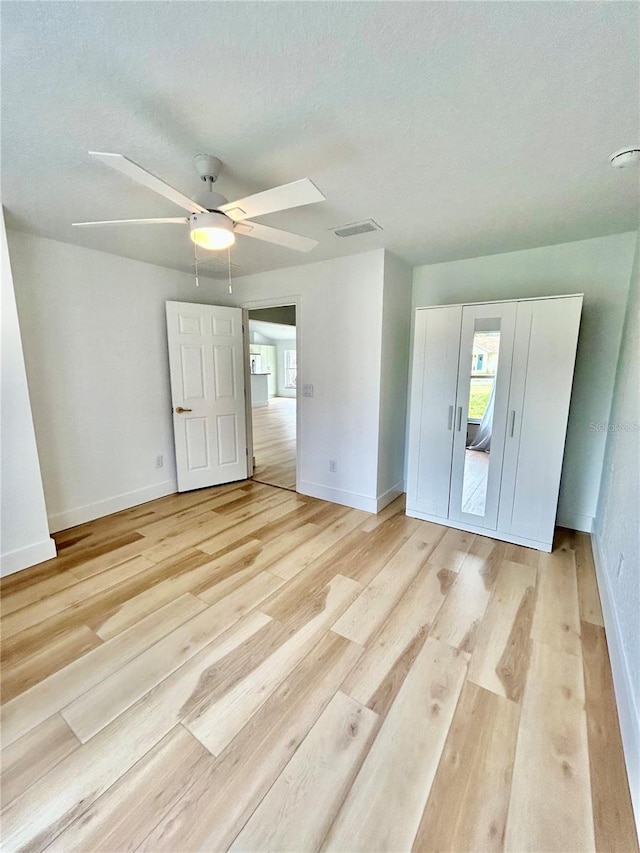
459	427
513	423
450	418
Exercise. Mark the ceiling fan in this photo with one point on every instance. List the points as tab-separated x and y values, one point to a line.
214	223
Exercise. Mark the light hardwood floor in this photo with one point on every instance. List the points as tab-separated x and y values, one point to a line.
245	668
274	443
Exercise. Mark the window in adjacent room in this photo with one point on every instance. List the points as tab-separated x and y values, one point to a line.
290	368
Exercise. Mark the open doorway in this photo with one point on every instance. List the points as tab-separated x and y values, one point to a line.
274	380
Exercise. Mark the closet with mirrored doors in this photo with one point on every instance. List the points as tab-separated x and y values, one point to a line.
489	403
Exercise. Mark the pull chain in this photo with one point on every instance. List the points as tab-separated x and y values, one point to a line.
195	255
229	260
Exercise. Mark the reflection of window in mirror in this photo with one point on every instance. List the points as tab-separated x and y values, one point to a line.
484	370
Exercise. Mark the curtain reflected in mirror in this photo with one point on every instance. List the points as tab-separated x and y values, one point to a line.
482	382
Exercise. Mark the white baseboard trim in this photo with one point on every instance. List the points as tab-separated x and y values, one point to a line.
71	517
390	495
23	558
627	711
575	521
338	496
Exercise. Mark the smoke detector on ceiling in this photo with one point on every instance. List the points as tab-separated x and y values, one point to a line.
625	157
356	228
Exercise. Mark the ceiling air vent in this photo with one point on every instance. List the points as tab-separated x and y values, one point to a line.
357	228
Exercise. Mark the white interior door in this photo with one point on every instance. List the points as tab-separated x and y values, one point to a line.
206	362
433	397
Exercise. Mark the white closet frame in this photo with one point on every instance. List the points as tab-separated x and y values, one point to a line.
533	390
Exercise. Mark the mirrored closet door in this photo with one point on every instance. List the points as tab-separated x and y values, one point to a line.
486	348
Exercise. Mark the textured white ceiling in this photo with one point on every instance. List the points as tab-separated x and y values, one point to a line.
463	128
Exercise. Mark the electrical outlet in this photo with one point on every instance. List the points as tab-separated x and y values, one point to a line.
159	461
307	390
620	565
333	466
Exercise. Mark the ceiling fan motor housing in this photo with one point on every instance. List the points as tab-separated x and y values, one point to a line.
207	166
212	219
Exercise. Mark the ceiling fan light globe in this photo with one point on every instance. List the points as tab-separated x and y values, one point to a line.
212	230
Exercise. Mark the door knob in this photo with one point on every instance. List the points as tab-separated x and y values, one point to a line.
179	410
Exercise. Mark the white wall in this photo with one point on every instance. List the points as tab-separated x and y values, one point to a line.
617	534
396	329
281	347
257	338
94	335
599	268
25	532
339	321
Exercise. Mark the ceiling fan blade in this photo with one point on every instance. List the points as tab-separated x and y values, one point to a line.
137	173
285	197
275	235
175	220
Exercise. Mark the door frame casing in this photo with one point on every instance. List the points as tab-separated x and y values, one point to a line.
254	305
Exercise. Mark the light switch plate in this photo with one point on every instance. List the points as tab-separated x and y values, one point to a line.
307	390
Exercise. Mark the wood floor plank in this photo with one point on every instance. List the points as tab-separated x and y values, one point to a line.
313	512
14	583
66	598
35	754
612	811
154	784
240	599
396	507
500	659
556	619
362	555
588	595
27	671
551	767
300	807
158	528
191	577
520	554
452	549
171	545
215	721
12	601
459	618
235	529
266	554
370	610
103	548
385	804
220	802
319	544
381	670
34	706
97	607
52	803
109	560
96	708
469	798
